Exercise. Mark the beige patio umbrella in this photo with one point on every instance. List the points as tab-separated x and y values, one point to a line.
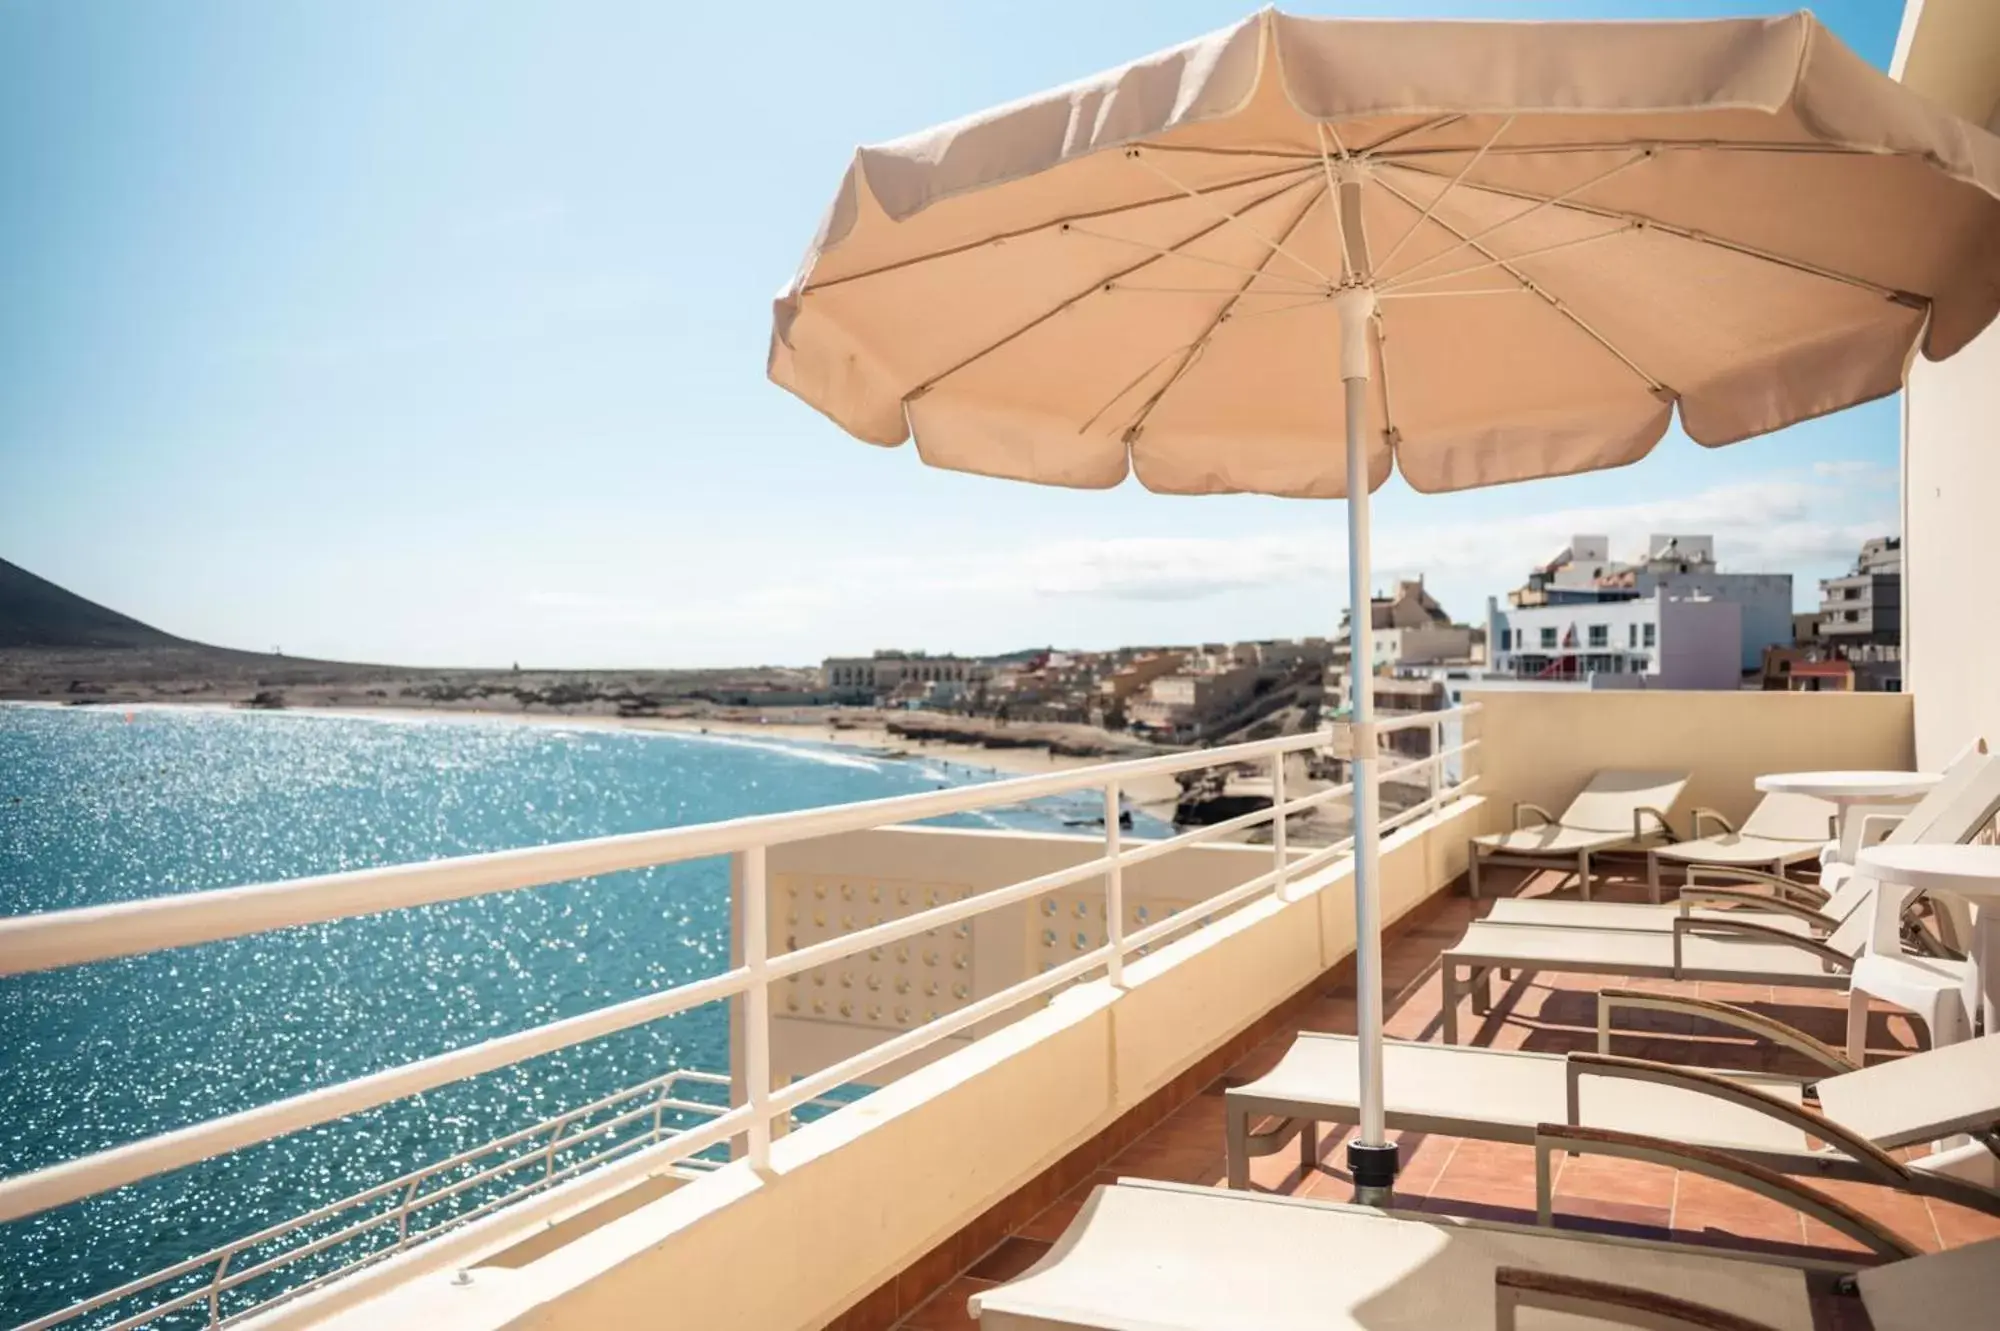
1521	247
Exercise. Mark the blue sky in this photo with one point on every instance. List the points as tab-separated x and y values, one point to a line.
435	333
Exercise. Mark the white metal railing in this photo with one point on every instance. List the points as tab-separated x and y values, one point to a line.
422	1204
71	937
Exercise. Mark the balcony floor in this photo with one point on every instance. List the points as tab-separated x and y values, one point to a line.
1545	1012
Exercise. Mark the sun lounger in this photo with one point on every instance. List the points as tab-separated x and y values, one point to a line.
1507	1095
1711	946
1795	908
1174	1257
1616	811
1728	950
1783	830
1956	810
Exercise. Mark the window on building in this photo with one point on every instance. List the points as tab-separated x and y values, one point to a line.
1652	634
1600	635
1548	637
1631	635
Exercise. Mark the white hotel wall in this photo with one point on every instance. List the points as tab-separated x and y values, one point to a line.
1951	549
1950	51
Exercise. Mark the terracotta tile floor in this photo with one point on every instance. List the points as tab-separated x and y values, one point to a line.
1554	1013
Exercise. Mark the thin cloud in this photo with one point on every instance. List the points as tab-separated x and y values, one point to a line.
1771	524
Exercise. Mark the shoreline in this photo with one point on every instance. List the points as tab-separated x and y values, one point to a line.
871	739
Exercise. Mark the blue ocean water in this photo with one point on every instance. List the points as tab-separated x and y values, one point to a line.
100	805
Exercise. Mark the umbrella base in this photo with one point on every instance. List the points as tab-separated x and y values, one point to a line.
1373	1169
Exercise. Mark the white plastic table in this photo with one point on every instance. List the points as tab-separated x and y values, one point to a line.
1849	790
1968	872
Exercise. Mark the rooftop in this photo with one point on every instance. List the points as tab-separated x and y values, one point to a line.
1454	1176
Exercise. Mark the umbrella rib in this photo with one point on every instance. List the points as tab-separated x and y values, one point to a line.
1138	419
1258	271
1205	291
1392	435
1432	207
1102	284
1626	229
1410	131
1203	150
1663	145
1070	219
1138	158
1684	233
1505	266
1465	241
1477	291
1172	352
1333	194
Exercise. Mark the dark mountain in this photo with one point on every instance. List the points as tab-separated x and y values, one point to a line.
34	612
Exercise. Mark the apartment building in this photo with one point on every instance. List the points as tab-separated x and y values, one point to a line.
1682	566
884	673
1662	642
1179	706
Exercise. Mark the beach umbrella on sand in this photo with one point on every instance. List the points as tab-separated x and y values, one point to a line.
1297	254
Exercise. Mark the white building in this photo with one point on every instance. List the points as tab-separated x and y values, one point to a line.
1684	568
1949	50
885	672
1661	642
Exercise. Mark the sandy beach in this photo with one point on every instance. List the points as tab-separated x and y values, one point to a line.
1155	794
1146	792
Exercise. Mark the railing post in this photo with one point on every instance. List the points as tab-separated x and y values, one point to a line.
1278	855
1114	886
757	1007
1434	774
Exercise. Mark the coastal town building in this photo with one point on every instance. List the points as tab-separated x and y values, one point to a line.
1181	706
881	675
1411	632
1854	642
1117	688
1684	567
1861	616
1663	641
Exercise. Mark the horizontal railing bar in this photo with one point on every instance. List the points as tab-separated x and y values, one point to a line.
54	1185
1142	851
53	939
922	922
1416	719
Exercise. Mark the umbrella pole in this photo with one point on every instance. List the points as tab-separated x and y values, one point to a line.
1371	1159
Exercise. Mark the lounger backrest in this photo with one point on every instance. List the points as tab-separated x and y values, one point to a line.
1974	802
1957	806
1851	938
1854	891
1783	816
1608	803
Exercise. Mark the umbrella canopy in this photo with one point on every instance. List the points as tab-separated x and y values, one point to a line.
1519	248
1571	228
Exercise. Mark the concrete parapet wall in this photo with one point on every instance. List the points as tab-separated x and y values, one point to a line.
1543	746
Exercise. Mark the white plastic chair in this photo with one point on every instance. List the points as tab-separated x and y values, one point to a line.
1933	988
